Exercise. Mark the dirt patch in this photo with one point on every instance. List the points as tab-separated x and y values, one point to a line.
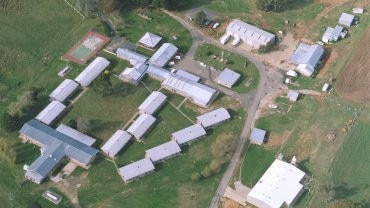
331	57
228	203
276	140
330	1
354	82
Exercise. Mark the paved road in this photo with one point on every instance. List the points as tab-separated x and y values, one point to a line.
250	101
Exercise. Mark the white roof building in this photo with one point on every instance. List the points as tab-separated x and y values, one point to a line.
163	151
307	57
213	118
163	55
74	134
198	93
51	112
131	56
333	34
135	74
152	103
188	75
118	140
189	134
136	170
257	136
249	34
346	19
228	78
64	90
157	72
92	71
293	96
141	125
358	10
150	40
280	186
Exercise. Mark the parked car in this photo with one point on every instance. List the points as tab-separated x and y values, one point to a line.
216	25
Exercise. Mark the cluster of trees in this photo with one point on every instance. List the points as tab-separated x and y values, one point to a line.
11	6
222	150
21	109
200	17
272	5
102	84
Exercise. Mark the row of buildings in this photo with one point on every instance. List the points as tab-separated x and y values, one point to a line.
62	142
172	148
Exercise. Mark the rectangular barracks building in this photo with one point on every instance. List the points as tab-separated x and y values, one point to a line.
136	170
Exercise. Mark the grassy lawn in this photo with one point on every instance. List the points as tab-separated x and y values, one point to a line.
170	30
170	185
248	71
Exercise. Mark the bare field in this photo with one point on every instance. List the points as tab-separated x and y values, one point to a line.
354	82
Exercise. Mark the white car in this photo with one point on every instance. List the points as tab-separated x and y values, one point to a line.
216	25
320	42
203	64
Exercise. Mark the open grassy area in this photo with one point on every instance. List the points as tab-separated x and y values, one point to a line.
135	26
211	55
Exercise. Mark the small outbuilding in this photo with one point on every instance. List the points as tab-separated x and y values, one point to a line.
346	19
258	136
358	10
293	96
333	34
228	78
150	40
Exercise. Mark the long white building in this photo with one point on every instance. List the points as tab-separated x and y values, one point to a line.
197	93
141	125
152	103
214	118
136	170
134	74
163	55
92	71
118	140
280	186
131	56
73	133
163	151
247	33
64	90
189	134
51	112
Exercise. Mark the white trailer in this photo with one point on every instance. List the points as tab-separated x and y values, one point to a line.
225	38
292	73
236	41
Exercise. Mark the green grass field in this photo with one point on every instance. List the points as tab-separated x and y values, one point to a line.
248	71
170	30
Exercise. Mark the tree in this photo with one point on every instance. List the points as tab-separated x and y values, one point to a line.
110	5
272	5
102	85
206	172
83	124
199	18
195	177
215	166
10	122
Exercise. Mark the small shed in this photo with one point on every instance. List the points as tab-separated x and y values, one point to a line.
293	96
346	19
358	10
150	40
228	78
258	136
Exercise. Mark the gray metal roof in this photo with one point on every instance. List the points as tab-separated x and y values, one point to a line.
246	31
346	19
51	112
47	136
152	103
332	34
131	56
258	135
198	93
157	72
118	140
134	74
141	125
214	117
292	95
164	54
163	151
228	78
92	71
309	56
49	159
150	40
74	134
136	169
189	134
188	75
64	90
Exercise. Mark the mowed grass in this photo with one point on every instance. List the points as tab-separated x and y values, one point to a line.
249	74
161	24
170	185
